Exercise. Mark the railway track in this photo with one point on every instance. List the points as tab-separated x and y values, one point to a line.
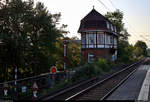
95	89
62	95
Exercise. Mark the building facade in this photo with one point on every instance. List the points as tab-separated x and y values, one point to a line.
98	37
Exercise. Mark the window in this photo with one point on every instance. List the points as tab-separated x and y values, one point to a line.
100	38
87	38
115	41
115	29
83	38
111	40
107	39
112	27
94	38
90	57
107	23
91	39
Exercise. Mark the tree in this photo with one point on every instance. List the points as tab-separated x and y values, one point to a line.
30	35
148	52
116	18
138	51
125	50
143	46
73	53
12	31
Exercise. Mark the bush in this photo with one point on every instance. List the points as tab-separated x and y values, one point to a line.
92	69
80	72
102	63
86	71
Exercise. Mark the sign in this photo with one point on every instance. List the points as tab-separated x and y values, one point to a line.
65	41
53	69
35	86
24	88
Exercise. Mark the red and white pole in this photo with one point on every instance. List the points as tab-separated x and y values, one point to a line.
65	48
5	89
35	90
16	78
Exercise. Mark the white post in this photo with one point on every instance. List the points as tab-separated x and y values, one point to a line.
65	56
15	78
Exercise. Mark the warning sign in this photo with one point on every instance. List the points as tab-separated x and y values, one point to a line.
53	69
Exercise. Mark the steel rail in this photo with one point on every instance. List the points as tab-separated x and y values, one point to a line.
64	91
102	81
111	91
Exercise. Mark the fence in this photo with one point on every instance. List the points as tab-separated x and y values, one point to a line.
25	86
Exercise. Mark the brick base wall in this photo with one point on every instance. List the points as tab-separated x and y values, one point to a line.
98	53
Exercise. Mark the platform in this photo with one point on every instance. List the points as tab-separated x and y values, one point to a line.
136	87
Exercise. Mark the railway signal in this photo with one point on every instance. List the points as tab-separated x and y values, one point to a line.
65	42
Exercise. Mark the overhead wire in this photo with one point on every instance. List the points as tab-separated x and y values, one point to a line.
124	19
104	5
112	4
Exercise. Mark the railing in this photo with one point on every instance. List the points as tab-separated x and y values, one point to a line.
25	86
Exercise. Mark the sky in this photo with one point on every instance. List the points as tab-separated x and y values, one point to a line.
136	14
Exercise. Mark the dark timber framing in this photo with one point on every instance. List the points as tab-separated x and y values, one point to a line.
104	45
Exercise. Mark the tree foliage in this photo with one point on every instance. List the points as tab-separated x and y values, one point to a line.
116	18
33	40
73	53
30	35
126	52
142	47
124	47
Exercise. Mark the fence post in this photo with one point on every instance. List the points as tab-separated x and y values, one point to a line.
15	84
5	88
35	90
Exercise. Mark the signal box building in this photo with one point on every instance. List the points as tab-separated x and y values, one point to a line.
98	37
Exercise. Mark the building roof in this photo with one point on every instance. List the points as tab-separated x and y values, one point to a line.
93	15
74	41
93	20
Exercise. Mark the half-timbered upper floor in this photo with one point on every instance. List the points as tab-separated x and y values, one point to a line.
97	31
96	39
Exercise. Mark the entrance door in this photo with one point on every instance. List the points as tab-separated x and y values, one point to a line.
90	57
